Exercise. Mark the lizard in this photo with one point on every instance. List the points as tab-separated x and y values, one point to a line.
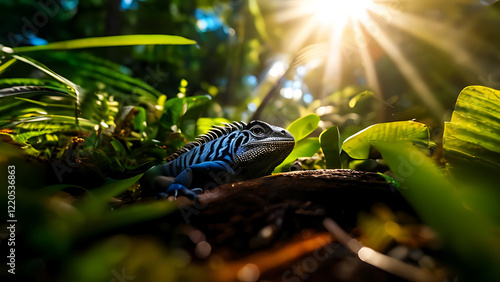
234	152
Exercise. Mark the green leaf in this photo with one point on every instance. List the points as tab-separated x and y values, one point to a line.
31	89
9	82
119	82
45	104
50	72
117	145
108	41
358	146
7	64
304	148
469	235
23	138
195	101
179	106
112	74
139	120
303	126
471	140
330	144
53	119
183	112
359	97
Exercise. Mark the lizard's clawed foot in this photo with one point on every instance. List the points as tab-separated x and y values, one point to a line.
189	193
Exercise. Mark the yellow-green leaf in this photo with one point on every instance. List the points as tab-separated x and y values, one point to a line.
359	97
304	148
358	146
303	126
108	41
471	140
330	144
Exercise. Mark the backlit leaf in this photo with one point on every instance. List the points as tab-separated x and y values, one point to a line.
107	41
471	140
303	126
304	148
358	146
330	144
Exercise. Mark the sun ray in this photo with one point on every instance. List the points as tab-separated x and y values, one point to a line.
366	57
440	37
346	33
301	36
333	64
407	69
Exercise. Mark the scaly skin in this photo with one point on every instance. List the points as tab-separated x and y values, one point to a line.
227	154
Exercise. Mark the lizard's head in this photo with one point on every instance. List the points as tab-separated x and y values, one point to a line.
260	147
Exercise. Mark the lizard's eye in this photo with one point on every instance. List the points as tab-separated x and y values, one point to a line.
258	130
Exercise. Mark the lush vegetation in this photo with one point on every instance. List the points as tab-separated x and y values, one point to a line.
82	118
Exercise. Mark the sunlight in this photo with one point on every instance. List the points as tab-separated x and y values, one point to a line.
338	35
338	12
345	41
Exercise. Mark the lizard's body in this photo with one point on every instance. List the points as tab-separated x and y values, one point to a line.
225	154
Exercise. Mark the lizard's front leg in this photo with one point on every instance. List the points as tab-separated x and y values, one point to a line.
194	179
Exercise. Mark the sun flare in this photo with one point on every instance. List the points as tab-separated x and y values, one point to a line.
334	35
338	12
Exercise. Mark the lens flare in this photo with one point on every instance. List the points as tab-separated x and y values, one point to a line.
338	12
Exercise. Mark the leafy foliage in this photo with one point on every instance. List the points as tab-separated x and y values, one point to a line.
434	196
84	128
471	140
358	146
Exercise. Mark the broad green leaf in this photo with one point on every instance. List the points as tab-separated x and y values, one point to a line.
108	41
303	126
469	235
176	108
330	144
182	105
471	140
358	146
304	148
